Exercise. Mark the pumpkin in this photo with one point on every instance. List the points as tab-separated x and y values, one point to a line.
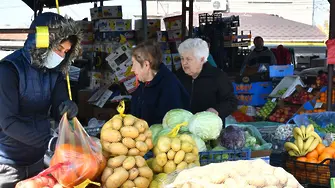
87	165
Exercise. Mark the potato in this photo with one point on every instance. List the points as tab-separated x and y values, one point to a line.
195	151
141	146
105	145
142	153
118	149
187	138
117	178
179	157
116	161
175	144
129	163
141	182
169	167
189	158
146	172
140	161
133	173
106	173
111	135
155	167
129	120
129	142
148	133
181	166
106	154
141	137
149	162
156	151
164	144
171	154
197	163
133	152
129	131
140	125
128	184
186	146
161	159
148	142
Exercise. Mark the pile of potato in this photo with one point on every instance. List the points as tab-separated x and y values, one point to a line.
126	172
126	136
174	154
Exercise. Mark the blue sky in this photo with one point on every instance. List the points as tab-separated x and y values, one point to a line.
17	14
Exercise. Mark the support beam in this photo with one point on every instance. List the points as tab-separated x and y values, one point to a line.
144	20
183	21
331	67
190	18
186	9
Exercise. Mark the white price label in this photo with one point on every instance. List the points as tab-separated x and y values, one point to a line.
274	100
310	90
318	105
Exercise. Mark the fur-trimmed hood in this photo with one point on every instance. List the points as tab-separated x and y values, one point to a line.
67	27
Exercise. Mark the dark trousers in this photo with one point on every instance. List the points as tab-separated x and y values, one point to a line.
12	174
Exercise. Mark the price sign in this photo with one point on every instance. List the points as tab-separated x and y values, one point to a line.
318	105
274	100
310	90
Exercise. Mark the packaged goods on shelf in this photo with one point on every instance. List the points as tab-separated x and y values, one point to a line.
106	25
106	12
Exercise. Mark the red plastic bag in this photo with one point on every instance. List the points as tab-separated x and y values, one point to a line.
75	148
42	180
330	51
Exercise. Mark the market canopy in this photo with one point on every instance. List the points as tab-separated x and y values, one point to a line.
52	3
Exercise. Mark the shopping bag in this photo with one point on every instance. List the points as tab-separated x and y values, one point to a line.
75	148
43	180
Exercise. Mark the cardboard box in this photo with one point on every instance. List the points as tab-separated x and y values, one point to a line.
174	35
167	59
96	13
152	23
98	47
162	36
112	12
106	25
114	36
124	74
86	26
130	85
173	23
95	79
120	59
88	38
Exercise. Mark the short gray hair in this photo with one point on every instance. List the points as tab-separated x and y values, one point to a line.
198	46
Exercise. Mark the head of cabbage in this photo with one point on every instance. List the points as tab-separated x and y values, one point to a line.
206	125
175	117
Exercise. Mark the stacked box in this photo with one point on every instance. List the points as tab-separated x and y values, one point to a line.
106	12
253	94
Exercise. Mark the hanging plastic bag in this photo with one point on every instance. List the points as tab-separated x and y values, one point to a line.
75	148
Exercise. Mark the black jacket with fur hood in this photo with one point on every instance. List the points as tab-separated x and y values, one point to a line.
28	90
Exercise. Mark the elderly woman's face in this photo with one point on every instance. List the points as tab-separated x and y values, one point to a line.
191	65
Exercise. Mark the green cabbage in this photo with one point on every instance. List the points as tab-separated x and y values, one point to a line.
206	125
175	117
155	129
201	145
161	133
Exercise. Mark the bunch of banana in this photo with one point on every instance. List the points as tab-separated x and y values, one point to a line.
306	140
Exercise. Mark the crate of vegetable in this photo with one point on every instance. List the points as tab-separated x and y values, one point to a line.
221	155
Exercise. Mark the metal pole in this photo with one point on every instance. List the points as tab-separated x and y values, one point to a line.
35	9
101	3
331	67
144	19
183	21
19	30
190	18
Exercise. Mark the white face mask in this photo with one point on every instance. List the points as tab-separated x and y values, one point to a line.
53	60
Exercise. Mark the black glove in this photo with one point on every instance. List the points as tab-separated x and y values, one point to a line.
70	107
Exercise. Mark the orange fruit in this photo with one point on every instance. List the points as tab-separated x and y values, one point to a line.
312	160
332	145
324	156
320	148
329	150
312	155
302	159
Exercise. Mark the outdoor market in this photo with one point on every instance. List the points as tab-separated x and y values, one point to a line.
185	101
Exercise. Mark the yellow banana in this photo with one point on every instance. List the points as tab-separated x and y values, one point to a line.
303	131
313	145
308	143
315	135
309	130
291	146
300	143
293	153
298	131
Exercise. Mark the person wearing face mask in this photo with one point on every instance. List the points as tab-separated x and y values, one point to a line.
209	87
32	89
159	90
260	55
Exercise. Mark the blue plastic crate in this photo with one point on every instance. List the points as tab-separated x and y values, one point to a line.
253	88
208	157
252	99
281	70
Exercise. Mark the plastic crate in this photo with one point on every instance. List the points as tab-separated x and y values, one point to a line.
93	131
252	99
208	157
255	87
281	70
311	174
